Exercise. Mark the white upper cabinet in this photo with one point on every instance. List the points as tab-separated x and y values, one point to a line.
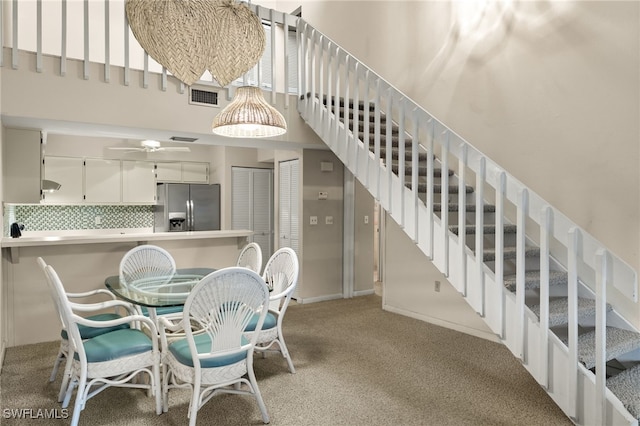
102	181
169	171
195	172
138	181
182	171
67	171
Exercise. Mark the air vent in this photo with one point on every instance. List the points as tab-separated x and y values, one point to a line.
203	97
183	139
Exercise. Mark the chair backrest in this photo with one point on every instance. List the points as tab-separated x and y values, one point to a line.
251	257
65	312
146	261
281	276
221	305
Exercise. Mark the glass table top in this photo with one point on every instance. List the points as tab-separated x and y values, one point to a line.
161	291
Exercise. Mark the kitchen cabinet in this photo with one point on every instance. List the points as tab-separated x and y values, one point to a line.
21	160
169	171
67	171
138	181
102	181
195	172
182	172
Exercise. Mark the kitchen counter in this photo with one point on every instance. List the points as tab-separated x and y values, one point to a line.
92	238
83	260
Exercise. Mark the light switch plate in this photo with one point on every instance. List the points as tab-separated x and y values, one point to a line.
322	195
328	220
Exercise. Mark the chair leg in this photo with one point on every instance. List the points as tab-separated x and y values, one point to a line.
285	354
256	391
65	380
79	404
156	387
193	406
61	356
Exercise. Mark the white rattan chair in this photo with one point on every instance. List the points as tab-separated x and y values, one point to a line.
216	357
111	359
251	257
281	276
116	306
148	261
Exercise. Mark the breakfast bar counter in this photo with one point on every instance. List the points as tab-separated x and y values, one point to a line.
83	261
97	238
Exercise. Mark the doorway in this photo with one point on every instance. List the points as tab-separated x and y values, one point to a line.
252	205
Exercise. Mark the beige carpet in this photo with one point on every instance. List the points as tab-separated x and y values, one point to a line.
356	365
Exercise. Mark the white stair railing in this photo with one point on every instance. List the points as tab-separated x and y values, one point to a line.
328	76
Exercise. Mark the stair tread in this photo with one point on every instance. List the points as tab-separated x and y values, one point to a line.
532	280
558	310
509	253
471	208
625	386
487	229
422	170
437	188
619	342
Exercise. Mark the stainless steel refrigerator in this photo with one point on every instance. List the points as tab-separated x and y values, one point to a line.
187	207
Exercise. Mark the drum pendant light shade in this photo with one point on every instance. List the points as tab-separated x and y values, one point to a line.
249	116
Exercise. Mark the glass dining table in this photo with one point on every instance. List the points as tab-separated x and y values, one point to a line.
158	292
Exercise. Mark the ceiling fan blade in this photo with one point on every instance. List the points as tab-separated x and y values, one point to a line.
175	149
125	148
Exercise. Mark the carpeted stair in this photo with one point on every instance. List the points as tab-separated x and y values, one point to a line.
626	384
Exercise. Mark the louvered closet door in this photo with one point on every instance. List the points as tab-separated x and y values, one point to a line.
289	212
252	205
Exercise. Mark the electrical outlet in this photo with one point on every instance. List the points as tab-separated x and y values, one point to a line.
437	286
328	220
313	220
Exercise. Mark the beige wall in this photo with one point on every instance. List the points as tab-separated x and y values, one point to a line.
322	244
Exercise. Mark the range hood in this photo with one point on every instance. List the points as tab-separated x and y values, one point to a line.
50	185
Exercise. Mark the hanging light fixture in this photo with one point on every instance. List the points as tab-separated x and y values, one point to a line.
249	116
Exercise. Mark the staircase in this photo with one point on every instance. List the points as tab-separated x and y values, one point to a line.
548	289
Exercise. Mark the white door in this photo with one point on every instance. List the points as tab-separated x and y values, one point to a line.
289	209
252	205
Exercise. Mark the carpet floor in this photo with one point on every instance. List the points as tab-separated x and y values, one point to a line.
356	365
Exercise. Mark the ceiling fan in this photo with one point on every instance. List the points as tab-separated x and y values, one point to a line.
149	145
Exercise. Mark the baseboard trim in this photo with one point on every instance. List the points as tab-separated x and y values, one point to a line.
319	298
363	292
452	326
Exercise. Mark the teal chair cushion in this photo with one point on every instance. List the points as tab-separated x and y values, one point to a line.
87	332
163	310
180	350
270	321
116	344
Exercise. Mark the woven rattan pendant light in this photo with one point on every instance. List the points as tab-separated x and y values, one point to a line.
239	41
249	116
177	34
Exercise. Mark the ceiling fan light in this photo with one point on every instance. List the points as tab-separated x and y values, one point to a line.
249	116
150	143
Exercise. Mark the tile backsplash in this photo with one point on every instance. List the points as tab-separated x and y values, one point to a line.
76	217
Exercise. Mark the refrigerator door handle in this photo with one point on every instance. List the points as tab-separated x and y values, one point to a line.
193	218
188	218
